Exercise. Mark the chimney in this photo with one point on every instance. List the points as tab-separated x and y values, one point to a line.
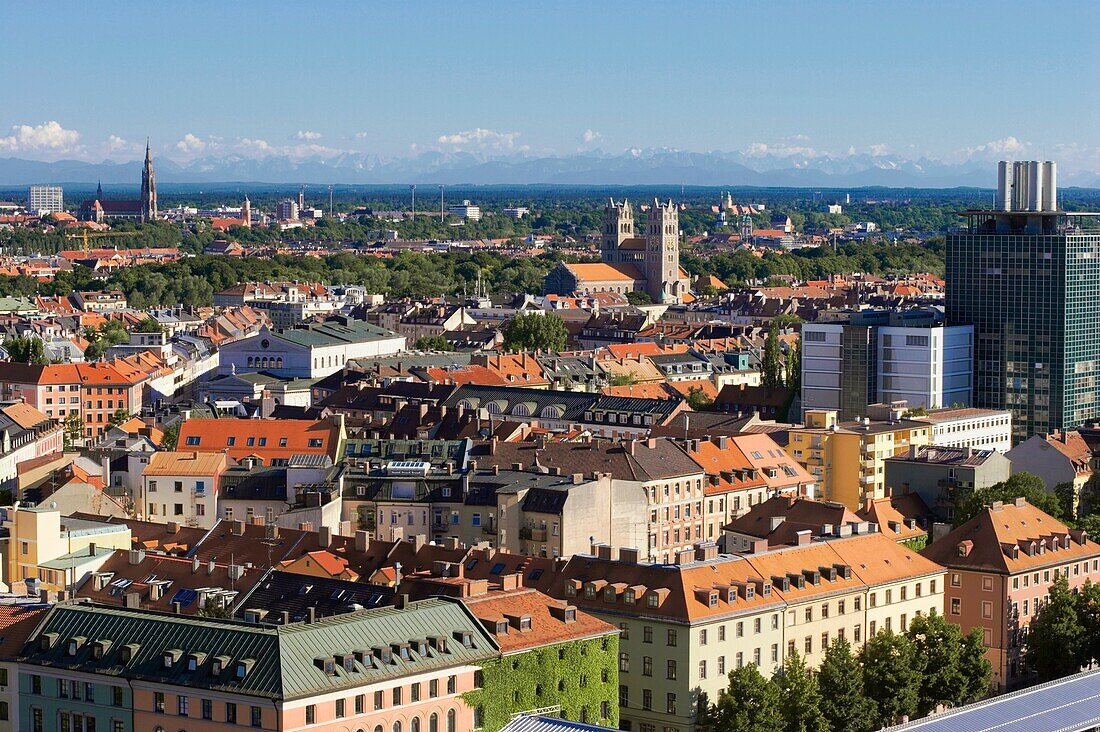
311	615
173	527
91	549
238	528
605	552
629	555
132	600
136	556
272	531
195	565
803	537
324	537
362	541
210	567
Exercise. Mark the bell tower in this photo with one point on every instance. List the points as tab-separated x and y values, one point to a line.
662	253
618	225
148	188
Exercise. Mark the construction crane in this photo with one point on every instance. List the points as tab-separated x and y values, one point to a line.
97	235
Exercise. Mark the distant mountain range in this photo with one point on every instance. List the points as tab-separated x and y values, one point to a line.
639	167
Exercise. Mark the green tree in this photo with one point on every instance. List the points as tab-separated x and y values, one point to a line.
26	349
171	437
623	379
772	366
698	400
948	678
976	668
1067	500
843	702
891	676
1055	637
432	343
119	416
74	430
800	702
148	325
531	331
111	333
1020	485
637	298
794	366
751	704
1088	615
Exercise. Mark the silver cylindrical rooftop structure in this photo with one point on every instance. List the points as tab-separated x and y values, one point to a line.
1004	188
1034	186
1050	186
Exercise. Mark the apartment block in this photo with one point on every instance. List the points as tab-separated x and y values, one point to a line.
848	458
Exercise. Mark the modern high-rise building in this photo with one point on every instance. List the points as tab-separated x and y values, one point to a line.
45	199
1025	274
883	356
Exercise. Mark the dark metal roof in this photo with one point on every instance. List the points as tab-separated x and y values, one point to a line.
1071	704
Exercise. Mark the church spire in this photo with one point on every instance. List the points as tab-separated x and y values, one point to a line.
148	187
99	191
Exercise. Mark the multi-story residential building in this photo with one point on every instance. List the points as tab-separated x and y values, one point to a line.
183	487
685	625
1025	275
1058	457
400	668
313	350
553	657
881	356
744	471
18	622
25	434
1000	566
848	458
287	210
45	199
56	552
981	429
660	470
943	475
268	441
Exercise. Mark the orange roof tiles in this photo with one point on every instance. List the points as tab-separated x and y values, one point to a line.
267	438
600	272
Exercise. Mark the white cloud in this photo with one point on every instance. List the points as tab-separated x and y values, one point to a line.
1005	147
482	139
191	144
878	150
48	137
116	144
307	135
361	135
590	136
255	147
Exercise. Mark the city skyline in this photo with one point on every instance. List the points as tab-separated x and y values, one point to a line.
777	82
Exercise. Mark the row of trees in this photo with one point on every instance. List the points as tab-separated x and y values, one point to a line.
894	676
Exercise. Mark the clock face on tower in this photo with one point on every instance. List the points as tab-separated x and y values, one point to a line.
265	343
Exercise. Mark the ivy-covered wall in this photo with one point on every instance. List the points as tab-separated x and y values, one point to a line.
580	676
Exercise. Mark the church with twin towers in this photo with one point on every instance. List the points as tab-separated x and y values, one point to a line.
630	262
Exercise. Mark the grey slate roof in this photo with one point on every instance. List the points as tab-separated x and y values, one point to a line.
283	658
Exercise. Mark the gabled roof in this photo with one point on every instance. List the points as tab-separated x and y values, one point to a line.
1009	538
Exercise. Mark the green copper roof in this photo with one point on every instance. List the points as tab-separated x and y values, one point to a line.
281	660
332	333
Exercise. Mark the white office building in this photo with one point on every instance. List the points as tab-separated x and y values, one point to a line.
882	357
980	429
45	199
466	211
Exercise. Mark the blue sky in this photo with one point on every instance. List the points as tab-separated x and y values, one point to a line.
948	80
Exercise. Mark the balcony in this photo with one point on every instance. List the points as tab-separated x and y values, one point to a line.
490	529
534	534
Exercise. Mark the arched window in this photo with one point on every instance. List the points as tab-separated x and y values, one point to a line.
414	724
450	720
520	410
250	360
379	729
433	723
279	362
397	726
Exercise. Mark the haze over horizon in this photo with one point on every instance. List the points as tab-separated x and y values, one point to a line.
835	89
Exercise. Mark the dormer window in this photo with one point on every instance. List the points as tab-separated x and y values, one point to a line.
609	594
348	662
628	597
651	600
501	627
218	665
100	648
325	663
244	666
170	657
570	614
590	591
75	644
570	590
129	651
194	660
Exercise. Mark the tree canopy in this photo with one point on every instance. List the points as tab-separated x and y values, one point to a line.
26	349
533	331
1020	485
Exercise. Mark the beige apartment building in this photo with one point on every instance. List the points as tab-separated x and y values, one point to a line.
685	625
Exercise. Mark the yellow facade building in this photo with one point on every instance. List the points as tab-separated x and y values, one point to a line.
57	551
848	458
